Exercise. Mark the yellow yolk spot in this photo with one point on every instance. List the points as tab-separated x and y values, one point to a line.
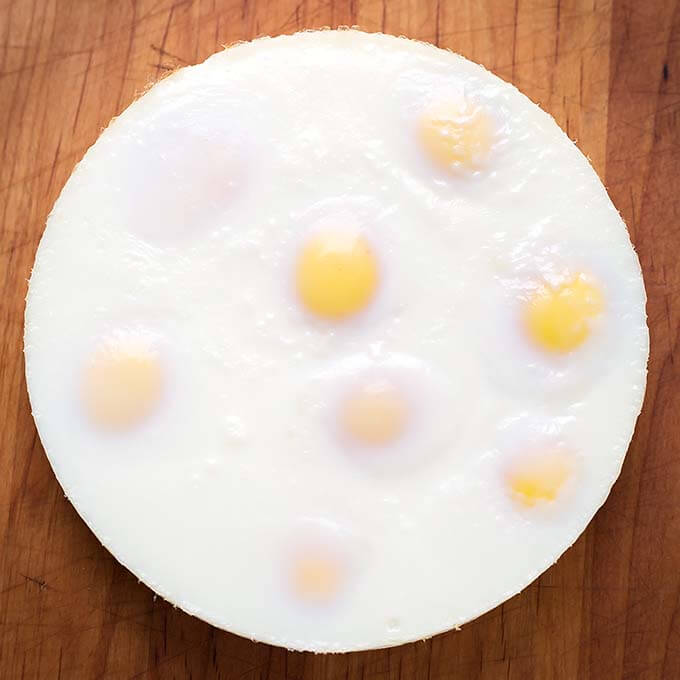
121	386
559	319
375	415
540	478
456	136
337	273
316	578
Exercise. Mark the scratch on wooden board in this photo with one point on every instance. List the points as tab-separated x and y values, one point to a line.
514	40
55	161
557	29
161	49
164	53
128	52
82	91
39	582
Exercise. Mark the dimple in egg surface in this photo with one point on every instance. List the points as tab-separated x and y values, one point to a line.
394	340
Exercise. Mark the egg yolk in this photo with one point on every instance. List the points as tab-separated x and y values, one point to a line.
539	479
316	578
375	415
121	386
559	319
456	135
337	274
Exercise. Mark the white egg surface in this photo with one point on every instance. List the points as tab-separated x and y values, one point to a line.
335	340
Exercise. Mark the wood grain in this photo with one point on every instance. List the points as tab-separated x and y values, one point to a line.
609	71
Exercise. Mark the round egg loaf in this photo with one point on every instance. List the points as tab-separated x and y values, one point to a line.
335	340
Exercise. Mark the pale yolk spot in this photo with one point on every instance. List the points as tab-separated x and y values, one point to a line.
375	415
456	136
337	273
559	319
539	478
121	386
316	578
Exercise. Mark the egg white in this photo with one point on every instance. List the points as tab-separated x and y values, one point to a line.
515	276
240	462
434	422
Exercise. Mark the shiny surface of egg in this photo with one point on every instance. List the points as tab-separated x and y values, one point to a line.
338	322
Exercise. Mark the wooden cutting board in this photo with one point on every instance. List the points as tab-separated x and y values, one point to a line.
609	71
